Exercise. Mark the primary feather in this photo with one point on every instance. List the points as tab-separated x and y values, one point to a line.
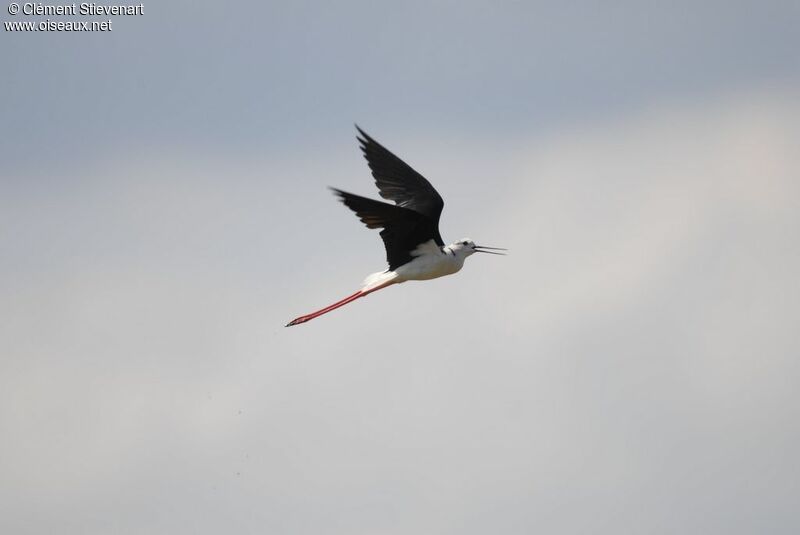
398	182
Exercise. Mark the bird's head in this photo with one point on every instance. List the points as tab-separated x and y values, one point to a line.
465	247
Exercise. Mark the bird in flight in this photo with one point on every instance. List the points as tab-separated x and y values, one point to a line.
410	226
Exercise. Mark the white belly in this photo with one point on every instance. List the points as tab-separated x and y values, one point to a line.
430	264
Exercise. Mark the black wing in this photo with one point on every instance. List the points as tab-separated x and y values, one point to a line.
398	182
403	229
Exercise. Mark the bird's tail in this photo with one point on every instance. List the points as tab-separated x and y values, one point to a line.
373	283
378	279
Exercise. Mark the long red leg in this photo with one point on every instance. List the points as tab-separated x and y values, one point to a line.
337	304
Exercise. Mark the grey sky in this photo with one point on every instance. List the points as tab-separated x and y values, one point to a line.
258	76
631	367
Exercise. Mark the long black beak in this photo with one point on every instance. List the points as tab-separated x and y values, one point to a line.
482	249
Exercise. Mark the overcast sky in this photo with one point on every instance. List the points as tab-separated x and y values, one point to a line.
631	366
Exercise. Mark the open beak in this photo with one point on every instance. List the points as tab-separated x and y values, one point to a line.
482	249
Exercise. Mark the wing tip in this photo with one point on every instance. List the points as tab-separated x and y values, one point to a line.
339	193
363	138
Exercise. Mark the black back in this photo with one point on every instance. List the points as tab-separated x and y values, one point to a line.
403	229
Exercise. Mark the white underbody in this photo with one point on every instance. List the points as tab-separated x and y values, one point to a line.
430	262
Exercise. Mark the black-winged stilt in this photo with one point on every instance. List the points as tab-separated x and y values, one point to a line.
414	247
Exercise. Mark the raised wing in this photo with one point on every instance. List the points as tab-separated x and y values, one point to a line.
398	182
403	229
